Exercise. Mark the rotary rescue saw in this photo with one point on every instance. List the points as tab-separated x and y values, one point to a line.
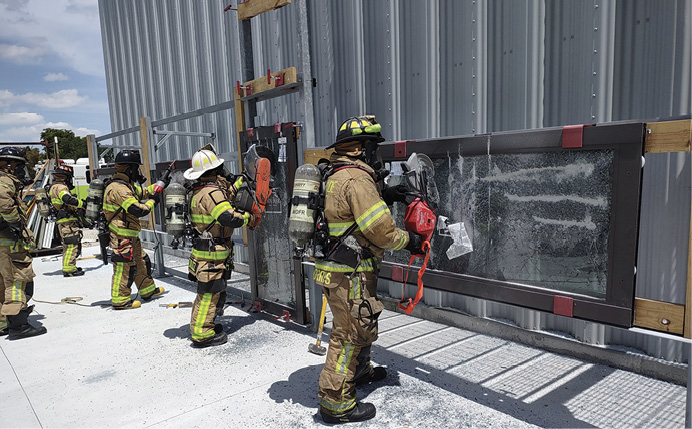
420	217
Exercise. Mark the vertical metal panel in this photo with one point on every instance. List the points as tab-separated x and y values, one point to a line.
427	69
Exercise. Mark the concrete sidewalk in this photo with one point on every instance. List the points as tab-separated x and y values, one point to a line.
102	368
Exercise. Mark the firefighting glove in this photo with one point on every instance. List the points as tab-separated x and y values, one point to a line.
156	197
392	194
415	243
16	229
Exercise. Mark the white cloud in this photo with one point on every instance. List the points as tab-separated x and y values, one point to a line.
32	133
52	77
20	118
67	29
23	54
62	99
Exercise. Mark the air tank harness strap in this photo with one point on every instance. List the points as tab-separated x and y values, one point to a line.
408	306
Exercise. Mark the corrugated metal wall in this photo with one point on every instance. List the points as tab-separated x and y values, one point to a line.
429	69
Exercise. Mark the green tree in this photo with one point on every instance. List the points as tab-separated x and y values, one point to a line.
70	146
33	156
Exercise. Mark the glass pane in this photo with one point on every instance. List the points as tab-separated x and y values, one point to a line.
535	219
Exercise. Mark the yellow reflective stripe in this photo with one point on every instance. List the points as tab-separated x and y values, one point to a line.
150	188
246	218
200	218
402	242
150	204
66	259
220	208
238	183
56	201
110	207
338	408
201	317
80	204
62	194
211	255
115	288
344	359
128	202
147	289
12	217
338	228
372	214
365	266
123	231
67	219
7	242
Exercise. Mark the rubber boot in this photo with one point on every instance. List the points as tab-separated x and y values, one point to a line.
130	305
73	273
158	291
217	340
375	374
20	327
361	412
4	327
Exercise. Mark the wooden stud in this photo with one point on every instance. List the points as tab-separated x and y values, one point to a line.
240	127
312	156
658	315
688	296
90	155
260	84
143	123
671	136
252	8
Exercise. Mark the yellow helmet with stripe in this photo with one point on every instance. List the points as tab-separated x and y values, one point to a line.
358	129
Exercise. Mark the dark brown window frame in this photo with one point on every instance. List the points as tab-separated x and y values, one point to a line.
627	142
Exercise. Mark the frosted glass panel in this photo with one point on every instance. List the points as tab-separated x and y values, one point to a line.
539	219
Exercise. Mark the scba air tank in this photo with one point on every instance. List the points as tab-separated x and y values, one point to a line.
175	196
301	223
42	202
94	200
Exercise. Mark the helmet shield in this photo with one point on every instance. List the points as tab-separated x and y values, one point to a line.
420	176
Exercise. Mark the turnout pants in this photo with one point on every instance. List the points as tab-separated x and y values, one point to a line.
17	277
71	245
211	277
355	309
130	264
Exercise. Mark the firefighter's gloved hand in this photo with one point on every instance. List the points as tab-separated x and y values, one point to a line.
16	229
156	197
392	194
158	187
415	243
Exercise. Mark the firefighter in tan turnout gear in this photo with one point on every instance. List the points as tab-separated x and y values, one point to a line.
15	242
360	228
68	221
213	218
122	208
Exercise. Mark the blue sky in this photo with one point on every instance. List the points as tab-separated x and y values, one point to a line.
51	69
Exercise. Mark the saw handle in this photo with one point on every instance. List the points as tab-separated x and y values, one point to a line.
411	303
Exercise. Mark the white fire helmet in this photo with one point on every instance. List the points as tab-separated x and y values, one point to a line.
202	161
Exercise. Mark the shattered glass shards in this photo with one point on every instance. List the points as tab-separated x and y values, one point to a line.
274	250
539	219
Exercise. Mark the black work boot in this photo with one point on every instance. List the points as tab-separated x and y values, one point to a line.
76	273
217	340
4	329
375	374
19	326
361	412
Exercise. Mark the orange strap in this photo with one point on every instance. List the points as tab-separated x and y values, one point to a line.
408	307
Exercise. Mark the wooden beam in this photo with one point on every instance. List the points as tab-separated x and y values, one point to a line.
312	156
688	297
143	125
240	127
671	136
259	85
90	154
658	315
251	8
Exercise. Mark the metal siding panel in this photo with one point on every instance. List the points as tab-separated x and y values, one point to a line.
413	65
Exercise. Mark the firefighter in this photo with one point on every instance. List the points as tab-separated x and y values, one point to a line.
214	218
15	243
122	208
68	220
360	221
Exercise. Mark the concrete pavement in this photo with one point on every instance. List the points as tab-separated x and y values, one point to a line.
97	367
